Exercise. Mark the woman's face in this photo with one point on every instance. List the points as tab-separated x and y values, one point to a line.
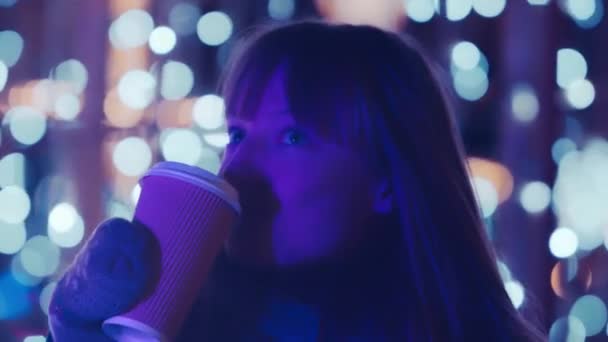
304	198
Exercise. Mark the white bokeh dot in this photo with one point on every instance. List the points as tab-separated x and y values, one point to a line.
162	40
67	106
177	80
181	145
136	89
208	112
535	197
26	124
132	156
40	257
15	204
214	28
563	242
12	237
516	292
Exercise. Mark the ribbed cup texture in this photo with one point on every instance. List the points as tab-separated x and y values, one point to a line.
191	225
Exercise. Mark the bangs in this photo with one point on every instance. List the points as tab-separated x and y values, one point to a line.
323	89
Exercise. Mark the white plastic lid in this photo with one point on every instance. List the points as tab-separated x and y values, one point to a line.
200	177
124	329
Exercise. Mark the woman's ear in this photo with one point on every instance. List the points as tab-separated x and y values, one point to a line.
383	197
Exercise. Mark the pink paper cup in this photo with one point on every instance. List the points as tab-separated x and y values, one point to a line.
191	212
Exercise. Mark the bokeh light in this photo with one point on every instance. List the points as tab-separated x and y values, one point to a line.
136	89
12	170
591	311
183	17
65	225
516	292
580	94
535	197
571	67
281	9
581	190
420	10
209	112
26	124
3	75
458	9
45	296
486	194
466	55
218	140
563	242
72	72
561	147
135	193
131	29
11	47
177	80
67	107
14	204
471	84
132	156
35	338
12	237
40	257
7	3
567	329
489	8
181	145
118	114
214	28
524	104
162	40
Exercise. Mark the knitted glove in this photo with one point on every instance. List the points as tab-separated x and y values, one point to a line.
116	269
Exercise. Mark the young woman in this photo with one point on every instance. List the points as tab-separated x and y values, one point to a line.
359	222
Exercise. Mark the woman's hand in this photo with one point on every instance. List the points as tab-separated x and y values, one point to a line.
115	270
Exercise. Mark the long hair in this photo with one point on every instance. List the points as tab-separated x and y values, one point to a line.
376	91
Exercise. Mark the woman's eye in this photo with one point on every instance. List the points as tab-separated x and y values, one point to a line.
235	136
293	136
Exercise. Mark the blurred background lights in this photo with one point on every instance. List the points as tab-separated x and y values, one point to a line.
218	140
281	9
210	160
162	40
471	84
581	191
14	204
208	111
567	329
3	75
181	145
535	197
67	107
561	147
7	3
177	80
538	2
581	9
214	28
73	72
135	194
26	124
571	67
65	225
11	47
35	338
420	10
496	173
132	156
21	275
591	311
524	103
12	237
486	194
131	29
45	296
516	292
183	17
563	242
39	256
12	170
136	89
489	8
580	94
458	9
465	55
